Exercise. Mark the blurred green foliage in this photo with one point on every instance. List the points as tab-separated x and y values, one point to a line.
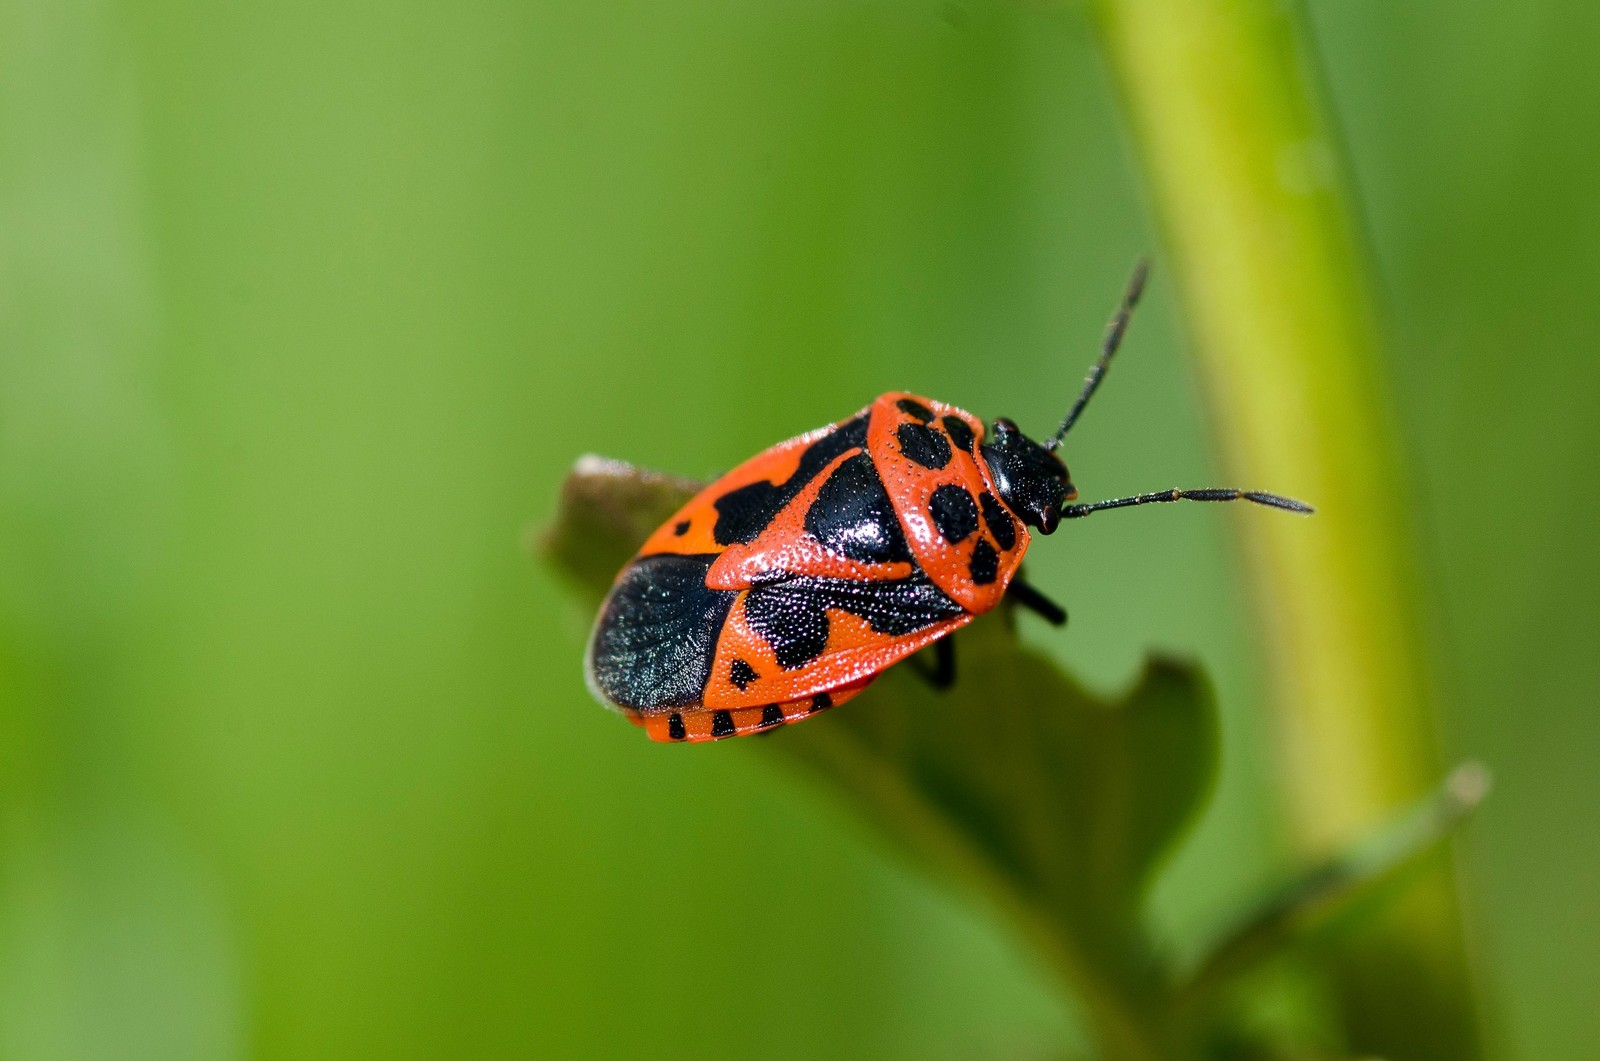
305	309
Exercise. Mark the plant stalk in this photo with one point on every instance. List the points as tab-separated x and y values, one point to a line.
1248	184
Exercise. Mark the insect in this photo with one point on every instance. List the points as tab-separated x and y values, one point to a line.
785	587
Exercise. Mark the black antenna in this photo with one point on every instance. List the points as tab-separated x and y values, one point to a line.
1108	349
1211	494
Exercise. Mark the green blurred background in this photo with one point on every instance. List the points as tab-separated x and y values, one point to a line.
305	309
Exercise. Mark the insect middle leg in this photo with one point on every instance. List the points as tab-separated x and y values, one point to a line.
942	675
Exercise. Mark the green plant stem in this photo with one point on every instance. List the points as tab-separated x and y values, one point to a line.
1313	901
1248	185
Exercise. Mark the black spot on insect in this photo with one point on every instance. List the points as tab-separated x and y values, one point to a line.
742	514
681	528
657	634
675	728
771	715
722	724
794	625
792	616
960	433
999	521
742	674
954	513
852	515
985	563
924	445
820	702
915	409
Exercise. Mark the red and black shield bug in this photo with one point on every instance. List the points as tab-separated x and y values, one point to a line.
789	584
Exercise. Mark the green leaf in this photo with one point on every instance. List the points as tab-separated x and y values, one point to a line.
1056	804
1062	800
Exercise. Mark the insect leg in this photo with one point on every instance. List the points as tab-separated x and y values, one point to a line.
943	673
1036	602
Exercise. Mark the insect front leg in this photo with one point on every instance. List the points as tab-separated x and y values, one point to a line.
1037	603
